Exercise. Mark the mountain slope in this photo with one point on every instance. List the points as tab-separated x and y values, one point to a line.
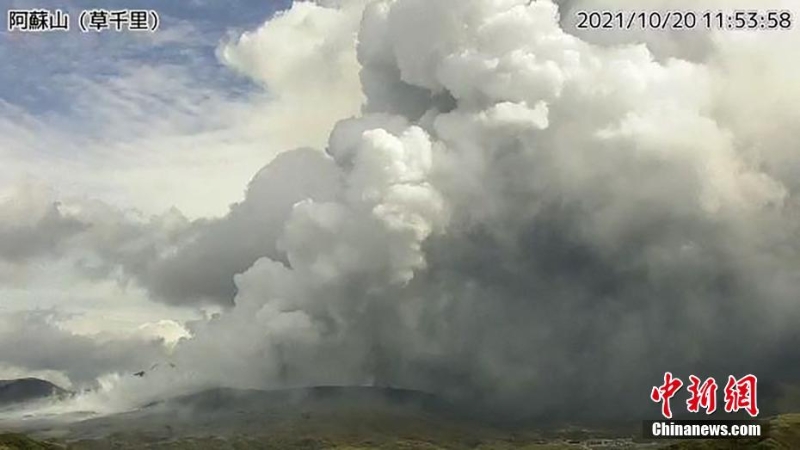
344	418
28	389
230	412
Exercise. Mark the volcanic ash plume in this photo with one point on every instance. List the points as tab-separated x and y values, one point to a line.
523	218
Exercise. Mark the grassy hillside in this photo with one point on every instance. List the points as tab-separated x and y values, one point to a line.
385	433
362	433
12	441
345	419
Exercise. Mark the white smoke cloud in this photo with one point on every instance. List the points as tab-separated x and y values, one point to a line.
547	209
519	216
32	223
306	59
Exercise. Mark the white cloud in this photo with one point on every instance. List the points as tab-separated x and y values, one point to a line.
305	57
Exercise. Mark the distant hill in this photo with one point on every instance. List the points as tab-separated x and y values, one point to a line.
308	419
28	389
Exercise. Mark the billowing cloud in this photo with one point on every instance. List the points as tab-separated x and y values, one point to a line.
32	224
305	57
588	219
199	263
82	359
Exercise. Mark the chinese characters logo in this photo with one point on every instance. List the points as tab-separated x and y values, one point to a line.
739	394
96	20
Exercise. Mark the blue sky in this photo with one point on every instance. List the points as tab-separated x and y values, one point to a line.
35	65
79	98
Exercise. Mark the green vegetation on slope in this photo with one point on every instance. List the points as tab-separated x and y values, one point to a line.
12	441
361	433
309	443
